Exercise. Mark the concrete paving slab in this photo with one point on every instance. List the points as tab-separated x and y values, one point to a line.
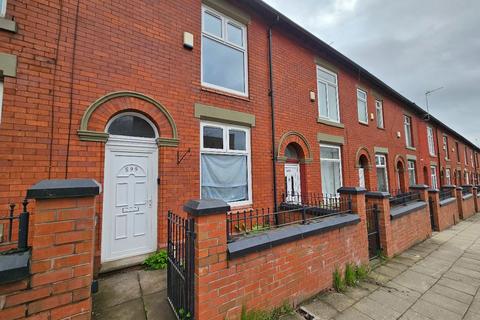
368	286
387	271
390	300
117	289
352	314
413	315
152	281
375	310
320	309
294	316
415	281
452	293
471	316
402	292
434	311
462	278
157	307
357	293
458	285
126	311
338	300
446	302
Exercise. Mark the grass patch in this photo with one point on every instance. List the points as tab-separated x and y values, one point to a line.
157	260
350	275
273	314
362	271
338	281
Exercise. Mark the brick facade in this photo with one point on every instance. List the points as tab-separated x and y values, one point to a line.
71	55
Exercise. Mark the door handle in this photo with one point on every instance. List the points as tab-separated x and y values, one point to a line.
150	203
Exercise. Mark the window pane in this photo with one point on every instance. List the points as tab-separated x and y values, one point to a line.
330	177
326	76
212	24
329	153
222	65
213	137
382	180
238	140
332	103
224	177
362	111
235	34
361	94
322	99
130	125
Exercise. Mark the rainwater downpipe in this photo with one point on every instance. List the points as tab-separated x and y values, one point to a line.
272	106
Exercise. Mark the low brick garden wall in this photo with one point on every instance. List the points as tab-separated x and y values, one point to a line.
466	202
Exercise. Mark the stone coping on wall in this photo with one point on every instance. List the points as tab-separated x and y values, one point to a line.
400	211
447	201
14	266
467	196
270	239
60	188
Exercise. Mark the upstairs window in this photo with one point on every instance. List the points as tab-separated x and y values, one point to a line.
379	111
466	156
431	142
224	53
225	163
3	8
457	149
407	124
362	106
433	177
411	173
445	147
327	86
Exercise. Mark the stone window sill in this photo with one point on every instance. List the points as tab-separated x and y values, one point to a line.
331	123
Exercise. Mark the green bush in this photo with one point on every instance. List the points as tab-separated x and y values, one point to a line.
157	260
338	281
350	275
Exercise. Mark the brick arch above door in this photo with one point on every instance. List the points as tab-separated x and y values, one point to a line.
300	140
97	115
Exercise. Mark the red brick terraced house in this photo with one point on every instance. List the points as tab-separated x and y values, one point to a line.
165	101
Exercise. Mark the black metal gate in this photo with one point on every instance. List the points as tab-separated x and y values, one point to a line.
432	219
180	266
373	231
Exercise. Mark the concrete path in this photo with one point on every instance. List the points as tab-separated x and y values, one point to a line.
133	294
438	279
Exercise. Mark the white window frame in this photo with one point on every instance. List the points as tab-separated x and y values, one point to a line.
1	99
379	114
328	83
3	8
466	156
448	176
322	145
431	141
445	146
223	40
360	99
433	177
466	177
412	172
407	125
227	151
384	167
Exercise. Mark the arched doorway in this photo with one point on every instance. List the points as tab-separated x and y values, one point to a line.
129	226
293	183
401	177
363	172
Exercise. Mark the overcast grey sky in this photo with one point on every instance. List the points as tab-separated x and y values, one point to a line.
412	45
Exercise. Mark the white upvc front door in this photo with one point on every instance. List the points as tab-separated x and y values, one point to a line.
292	181
129	223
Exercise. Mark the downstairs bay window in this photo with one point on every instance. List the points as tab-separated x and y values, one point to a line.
225	163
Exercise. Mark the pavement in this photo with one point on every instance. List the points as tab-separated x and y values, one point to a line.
438	279
132	294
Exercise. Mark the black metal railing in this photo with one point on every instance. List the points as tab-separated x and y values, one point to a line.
466	191
326	201
447	194
20	222
401	198
252	221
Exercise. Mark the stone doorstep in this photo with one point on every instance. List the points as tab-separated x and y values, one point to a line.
110	266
